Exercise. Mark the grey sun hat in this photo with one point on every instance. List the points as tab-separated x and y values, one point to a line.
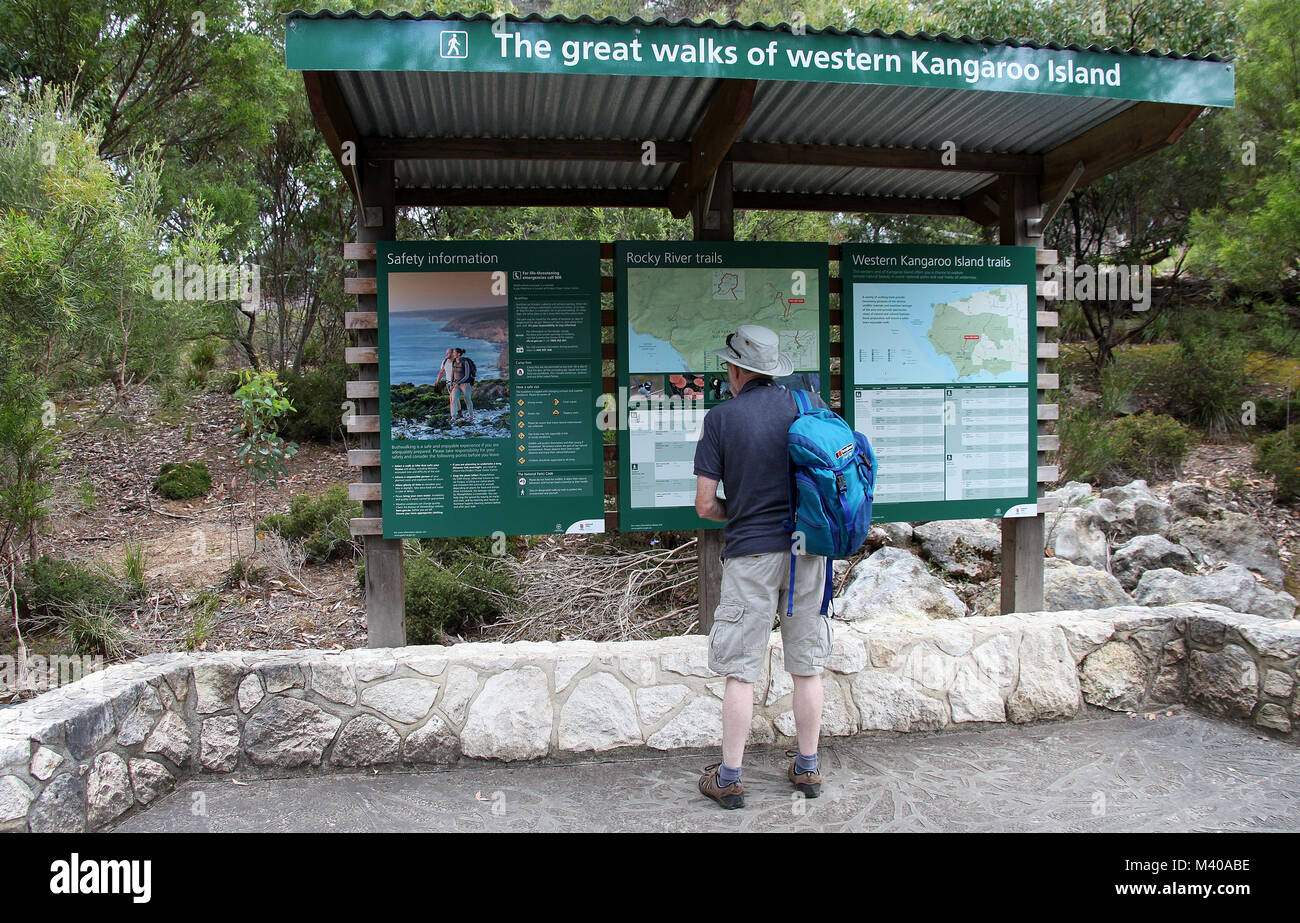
756	349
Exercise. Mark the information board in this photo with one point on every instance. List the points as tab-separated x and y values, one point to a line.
676	303
516	451
940	373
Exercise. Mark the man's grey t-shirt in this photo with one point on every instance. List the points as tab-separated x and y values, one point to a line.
743	445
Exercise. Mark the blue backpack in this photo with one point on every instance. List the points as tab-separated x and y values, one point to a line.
833	481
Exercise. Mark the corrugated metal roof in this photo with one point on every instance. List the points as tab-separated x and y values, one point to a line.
758	27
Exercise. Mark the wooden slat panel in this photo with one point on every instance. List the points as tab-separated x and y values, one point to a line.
363	424
1049	381
607	251
609	385
609	350
837	317
610	451
835	286
362	320
363	458
1048	318
1049	289
1049	443
361	355
366	526
1046	257
364	389
1049	411
611	521
1049	351
1049	504
365	491
607	283
360	286
611	487
1048	474
356	251
607	318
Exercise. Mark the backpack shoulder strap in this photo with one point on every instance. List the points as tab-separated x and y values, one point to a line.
801	402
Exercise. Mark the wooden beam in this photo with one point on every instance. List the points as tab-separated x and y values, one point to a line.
818	202
717	130
364	491
331	115
367	525
360	389
363	458
355	251
355	286
552	198
1137	131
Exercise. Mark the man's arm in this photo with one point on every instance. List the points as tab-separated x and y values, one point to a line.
707	504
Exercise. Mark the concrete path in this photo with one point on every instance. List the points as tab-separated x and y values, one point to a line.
1117	774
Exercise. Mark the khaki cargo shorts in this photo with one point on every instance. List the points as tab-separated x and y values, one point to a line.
753	594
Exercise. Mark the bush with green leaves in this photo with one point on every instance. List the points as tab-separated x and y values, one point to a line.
1145	445
183	480
1208	381
263	404
319	522
1277	454
51	586
318	398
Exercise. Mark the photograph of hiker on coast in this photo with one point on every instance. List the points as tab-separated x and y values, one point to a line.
447	351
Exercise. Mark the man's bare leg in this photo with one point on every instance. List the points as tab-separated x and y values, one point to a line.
737	715
808	697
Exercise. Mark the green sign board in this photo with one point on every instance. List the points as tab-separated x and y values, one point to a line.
515	451
676	303
713	51
940	373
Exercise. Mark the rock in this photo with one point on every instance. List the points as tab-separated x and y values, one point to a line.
1070	493
44	763
250	693
654	702
890	703
405	700
366	741
1068	586
1224	682
429	664
287	733
699	724
334	680
1273	716
1048	686
1085	635
435	742
973	697
15	798
140	720
1232	586
1280	640
279	677
1138	511
372	665
1147	552
511	718
639	670
848	655
1235	538
219	744
1113	677
171	738
150	780
969	548
61	807
1078	535
1276	684
996	659
87	728
760	731
215	685
893	534
780	683
930	668
566	668
1188	500
598	715
893	584
461	684
693	661
108	790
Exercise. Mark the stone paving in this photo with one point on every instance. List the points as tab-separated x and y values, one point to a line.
1178	772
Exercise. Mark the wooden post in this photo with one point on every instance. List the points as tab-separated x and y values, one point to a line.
714	220
385	589
1022	537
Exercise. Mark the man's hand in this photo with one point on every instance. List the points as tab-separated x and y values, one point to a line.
707	504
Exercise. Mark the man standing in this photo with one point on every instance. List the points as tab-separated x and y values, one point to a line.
444	374
743	446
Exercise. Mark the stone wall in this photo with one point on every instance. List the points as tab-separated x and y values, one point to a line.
85	755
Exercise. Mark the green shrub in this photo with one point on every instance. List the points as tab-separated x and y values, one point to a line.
319	522
1276	454
317	397
202	356
183	480
1208	381
51	586
446	599
1145	445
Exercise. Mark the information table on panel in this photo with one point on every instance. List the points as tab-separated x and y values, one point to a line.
946	443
